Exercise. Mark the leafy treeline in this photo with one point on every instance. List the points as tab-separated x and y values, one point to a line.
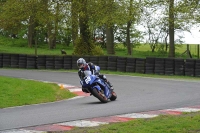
89	24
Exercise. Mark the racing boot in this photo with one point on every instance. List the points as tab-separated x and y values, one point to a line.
105	79
111	86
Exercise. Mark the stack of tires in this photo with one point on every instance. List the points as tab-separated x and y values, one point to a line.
121	64
50	62
14	63
6	60
31	62
67	62
197	68
58	62
169	66
94	60
159	66
140	65
149	65
41	62
22	60
103	62
179	66
74	61
112	63
1	60
87	58
130	64
189	67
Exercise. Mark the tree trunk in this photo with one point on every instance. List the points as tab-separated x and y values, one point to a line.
84	27
31	32
56	26
166	45
50	36
171	29
110	41
74	22
128	43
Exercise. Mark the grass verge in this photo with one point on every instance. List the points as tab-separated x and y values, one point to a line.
17	92
185	123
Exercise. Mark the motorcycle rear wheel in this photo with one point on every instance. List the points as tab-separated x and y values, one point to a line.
99	95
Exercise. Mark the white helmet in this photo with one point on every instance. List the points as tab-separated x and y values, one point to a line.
81	62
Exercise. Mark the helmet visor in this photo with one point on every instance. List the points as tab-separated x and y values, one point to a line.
80	65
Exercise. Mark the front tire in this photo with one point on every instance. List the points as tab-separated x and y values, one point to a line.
114	96
99	95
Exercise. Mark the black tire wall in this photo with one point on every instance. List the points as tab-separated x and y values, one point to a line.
149	65
1	60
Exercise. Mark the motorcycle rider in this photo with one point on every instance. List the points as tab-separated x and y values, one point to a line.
94	69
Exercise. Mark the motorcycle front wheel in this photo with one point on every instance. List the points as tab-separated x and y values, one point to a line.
99	95
114	96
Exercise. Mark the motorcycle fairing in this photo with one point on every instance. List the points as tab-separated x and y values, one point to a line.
97	87
88	80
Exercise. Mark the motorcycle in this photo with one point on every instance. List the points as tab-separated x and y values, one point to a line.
97	87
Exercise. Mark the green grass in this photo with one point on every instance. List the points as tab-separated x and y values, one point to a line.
8	45
185	123
26	50
144	51
17	92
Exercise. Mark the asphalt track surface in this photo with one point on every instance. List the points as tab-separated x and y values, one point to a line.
135	94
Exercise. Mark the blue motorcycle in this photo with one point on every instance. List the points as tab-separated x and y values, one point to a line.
97	87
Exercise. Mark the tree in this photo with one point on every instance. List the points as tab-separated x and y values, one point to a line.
177	14
74	21
133	10
10	16
171	29
107	18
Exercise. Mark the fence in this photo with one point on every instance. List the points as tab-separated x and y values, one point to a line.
149	65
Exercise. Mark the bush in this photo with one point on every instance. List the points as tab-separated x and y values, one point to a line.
83	48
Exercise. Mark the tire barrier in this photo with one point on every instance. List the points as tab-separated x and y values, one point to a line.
67	62
94	59
179	67
121	64
149	65
22	61
31	62
50	62
103	62
6	60
169	66
41	62
197	68
74	61
189	67
14	60
140	65
112	63
58	62
159	66
1	60
130	64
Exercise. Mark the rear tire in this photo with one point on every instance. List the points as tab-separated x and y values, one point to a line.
114	96
99	95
